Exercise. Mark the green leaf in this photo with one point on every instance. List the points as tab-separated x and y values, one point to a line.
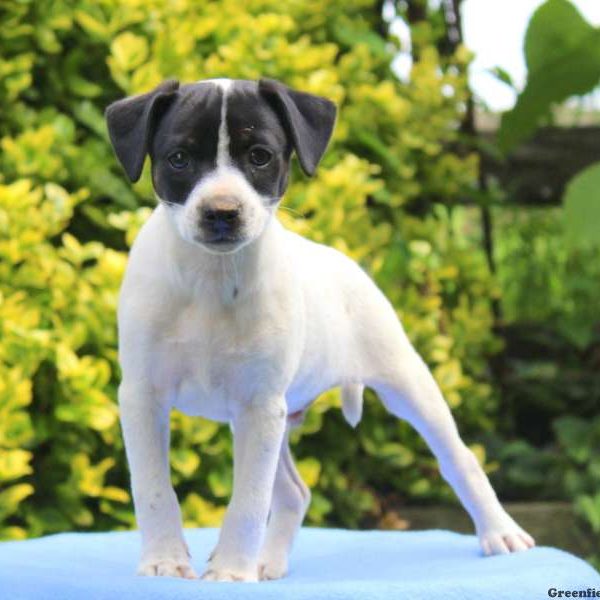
220	483
310	471
582	207
129	50
555	28
503	76
14	463
575	436
91	117
589	508
562	51
352	32
185	461
73	74
12	497
95	28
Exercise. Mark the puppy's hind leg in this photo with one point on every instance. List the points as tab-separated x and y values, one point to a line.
291	498
410	392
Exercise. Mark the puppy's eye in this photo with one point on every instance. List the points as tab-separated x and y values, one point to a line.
179	159
260	156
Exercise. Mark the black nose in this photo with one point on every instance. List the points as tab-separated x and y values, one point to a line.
220	217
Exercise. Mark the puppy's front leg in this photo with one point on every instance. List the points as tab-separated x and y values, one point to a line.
145	423
258	433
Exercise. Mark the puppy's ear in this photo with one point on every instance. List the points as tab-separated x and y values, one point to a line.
131	122
308	119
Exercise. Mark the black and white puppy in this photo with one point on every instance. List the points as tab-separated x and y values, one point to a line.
225	314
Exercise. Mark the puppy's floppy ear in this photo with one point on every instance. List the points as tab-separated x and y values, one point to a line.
308	119
131	122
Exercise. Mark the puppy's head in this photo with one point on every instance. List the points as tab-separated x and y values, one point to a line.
220	151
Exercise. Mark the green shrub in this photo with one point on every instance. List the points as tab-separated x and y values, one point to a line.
67	216
579	441
544	278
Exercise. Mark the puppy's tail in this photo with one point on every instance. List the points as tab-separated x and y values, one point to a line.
352	402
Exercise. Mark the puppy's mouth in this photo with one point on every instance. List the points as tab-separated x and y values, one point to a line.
220	243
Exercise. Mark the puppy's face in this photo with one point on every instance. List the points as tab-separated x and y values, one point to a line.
220	152
220	162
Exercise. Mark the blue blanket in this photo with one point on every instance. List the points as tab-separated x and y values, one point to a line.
326	564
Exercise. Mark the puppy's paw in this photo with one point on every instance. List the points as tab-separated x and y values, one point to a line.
219	569
225	574
272	568
171	558
167	567
504	537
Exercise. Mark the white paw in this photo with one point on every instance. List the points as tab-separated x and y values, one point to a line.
225	574
222	570
504	537
167	567
272	568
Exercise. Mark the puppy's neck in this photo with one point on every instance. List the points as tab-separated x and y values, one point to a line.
228	277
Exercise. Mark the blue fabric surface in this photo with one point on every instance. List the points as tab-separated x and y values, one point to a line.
326	564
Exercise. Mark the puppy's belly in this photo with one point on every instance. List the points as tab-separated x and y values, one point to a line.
193	399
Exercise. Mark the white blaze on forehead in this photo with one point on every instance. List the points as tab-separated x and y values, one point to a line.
223	158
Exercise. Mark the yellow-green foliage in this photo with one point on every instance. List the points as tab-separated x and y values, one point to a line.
384	195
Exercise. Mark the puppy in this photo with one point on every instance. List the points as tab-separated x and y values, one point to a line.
223	313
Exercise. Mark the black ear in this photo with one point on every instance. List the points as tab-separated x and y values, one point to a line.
131	122
308	119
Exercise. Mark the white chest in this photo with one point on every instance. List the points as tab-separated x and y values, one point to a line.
215	358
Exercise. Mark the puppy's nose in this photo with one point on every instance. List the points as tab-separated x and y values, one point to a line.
221	215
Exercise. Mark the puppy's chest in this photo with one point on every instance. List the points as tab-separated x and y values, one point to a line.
212	354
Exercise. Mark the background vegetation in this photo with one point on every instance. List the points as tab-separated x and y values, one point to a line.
400	190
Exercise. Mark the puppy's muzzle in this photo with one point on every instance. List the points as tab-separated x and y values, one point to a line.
220	218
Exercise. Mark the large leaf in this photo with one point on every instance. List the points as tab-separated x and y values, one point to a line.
555	29
562	51
582	207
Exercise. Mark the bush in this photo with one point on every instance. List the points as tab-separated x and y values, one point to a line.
67	216
548	375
